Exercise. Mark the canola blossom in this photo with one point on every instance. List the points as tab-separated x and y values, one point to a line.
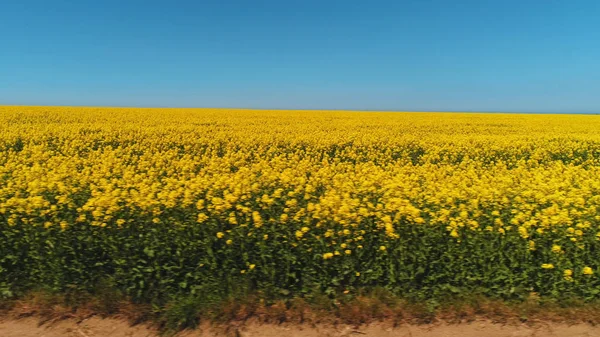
170	201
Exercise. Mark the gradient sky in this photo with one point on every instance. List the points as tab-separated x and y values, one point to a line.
441	55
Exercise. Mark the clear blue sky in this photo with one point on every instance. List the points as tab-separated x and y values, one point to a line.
469	55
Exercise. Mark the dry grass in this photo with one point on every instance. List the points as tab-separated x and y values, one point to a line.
356	311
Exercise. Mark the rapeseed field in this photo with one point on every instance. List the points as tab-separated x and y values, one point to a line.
164	202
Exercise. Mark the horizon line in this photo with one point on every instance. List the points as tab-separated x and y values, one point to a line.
299	109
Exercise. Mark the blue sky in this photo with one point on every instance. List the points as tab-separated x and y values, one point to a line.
441	55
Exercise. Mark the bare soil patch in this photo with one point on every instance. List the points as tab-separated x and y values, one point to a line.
105	327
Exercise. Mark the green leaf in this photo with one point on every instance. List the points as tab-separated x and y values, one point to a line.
149	252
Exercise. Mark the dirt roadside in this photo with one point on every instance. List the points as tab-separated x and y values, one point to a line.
98	327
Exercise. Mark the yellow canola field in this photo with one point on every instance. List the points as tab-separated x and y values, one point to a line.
420	203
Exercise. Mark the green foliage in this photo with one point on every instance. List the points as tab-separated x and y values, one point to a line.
154	263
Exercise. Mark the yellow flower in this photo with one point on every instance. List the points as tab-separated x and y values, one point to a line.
220	235
299	234
258	221
523	232
382	248
567	274
547	266
252	266
556	249
348	251
587	271
305	229
229	241
327	256
201	217
357	274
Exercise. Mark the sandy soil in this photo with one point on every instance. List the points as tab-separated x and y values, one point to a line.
98	327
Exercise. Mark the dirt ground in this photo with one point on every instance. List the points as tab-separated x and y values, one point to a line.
98	327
